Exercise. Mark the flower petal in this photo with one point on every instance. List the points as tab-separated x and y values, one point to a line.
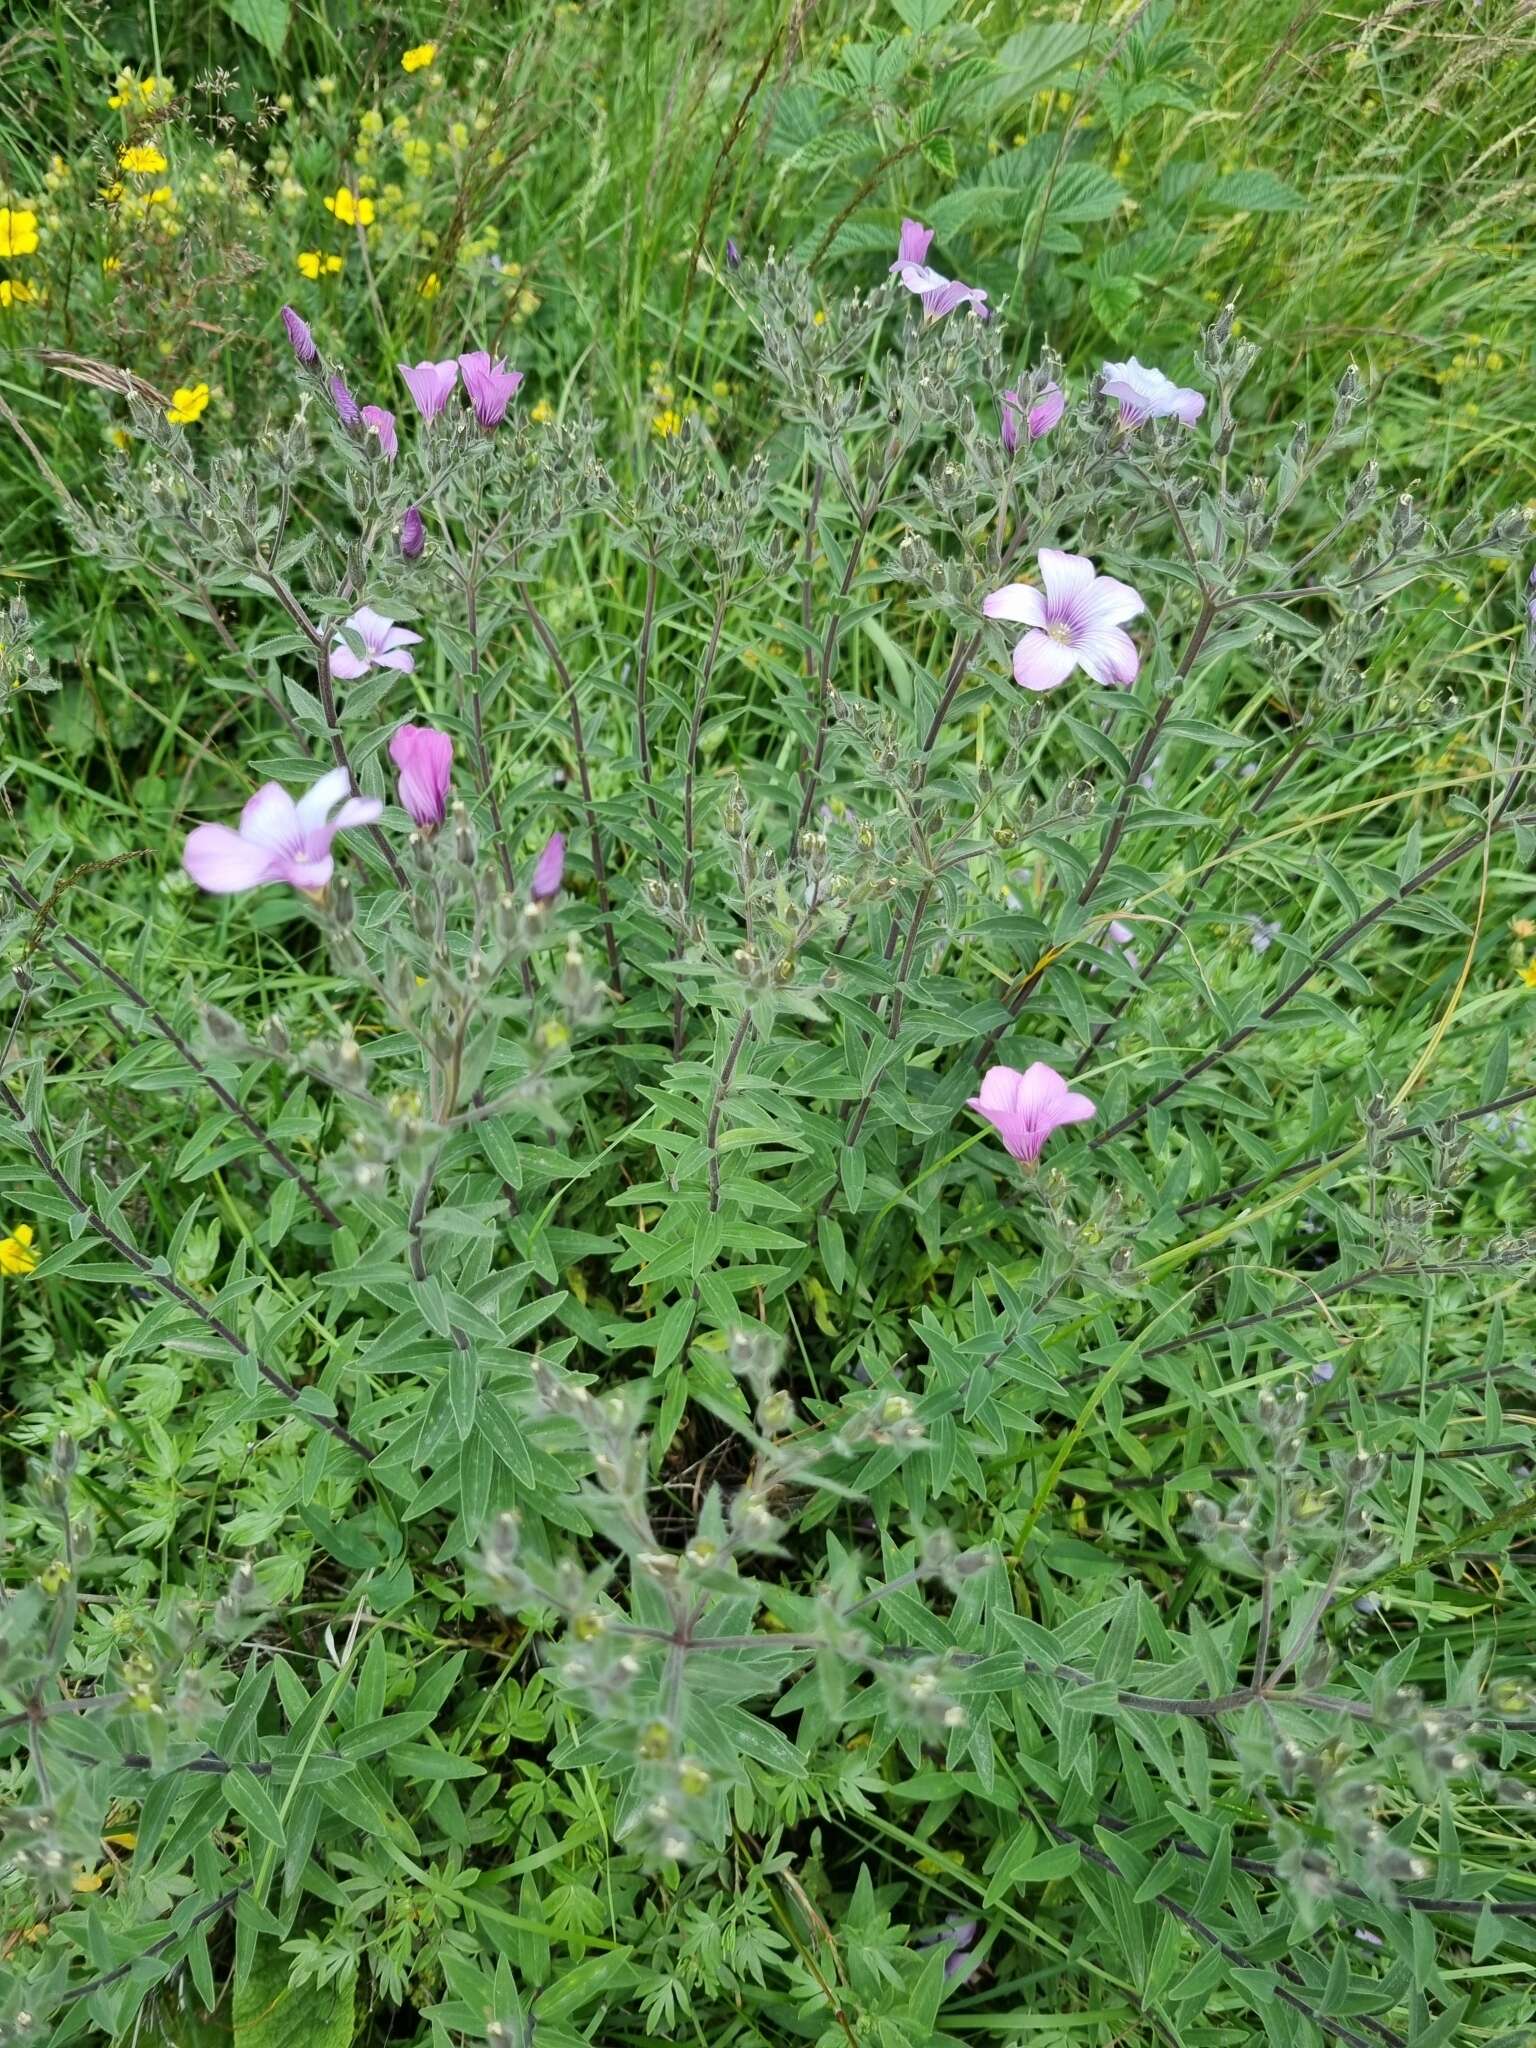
321	798
999	1089
223	863
270	818
1041	663
1020	602
1108	603
1188	407
346	666
1066	578
1110	656
915	242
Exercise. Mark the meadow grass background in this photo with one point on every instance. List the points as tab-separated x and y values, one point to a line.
1385	221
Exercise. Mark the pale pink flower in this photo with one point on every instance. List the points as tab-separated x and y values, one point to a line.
424	756
385	645
939	294
549	870
1039	418
491	386
430	384
1077	621
379	420
278	840
1145	394
1025	1108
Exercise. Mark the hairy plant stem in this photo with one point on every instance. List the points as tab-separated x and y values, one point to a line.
165	1282
551	647
717	1105
55	934
690	786
1472	843
642	725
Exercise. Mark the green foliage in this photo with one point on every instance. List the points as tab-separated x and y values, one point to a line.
557	1495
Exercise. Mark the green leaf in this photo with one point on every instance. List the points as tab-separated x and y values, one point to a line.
269	2014
264	21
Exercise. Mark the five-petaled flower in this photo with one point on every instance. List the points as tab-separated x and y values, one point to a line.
491	386
430	384
349	209
1025	1108
188	403
424	757
17	1257
1077	621
278	840
18	231
939	294
419	58
314	263
384	645
1145	394
1038	418
15	291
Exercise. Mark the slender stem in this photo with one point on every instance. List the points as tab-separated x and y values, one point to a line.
1176	924
642	725
167	1285
578	741
1472	843
56	935
717	1105
690	783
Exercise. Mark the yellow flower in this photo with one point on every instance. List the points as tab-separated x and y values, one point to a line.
1527	975
351	211
542	413
419	58
112	193
668	422
430	285
818	318
18	232
16	1254
162	196
143	158
110	264
15	292
315	263
187	404
120	439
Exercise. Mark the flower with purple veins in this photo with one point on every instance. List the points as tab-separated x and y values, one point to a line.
1038	418
939	294
278	840
549	870
491	386
303	342
1144	394
430	384
413	533
424	756
346	405
1025	1108
1077	621
384	645
378	419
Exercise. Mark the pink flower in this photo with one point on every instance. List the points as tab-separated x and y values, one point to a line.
278	840
385	645
1148	395
939	294
491	386
549	871
424	756
1044	414
1025	1108
379	420
413	533
1076	622
430	384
